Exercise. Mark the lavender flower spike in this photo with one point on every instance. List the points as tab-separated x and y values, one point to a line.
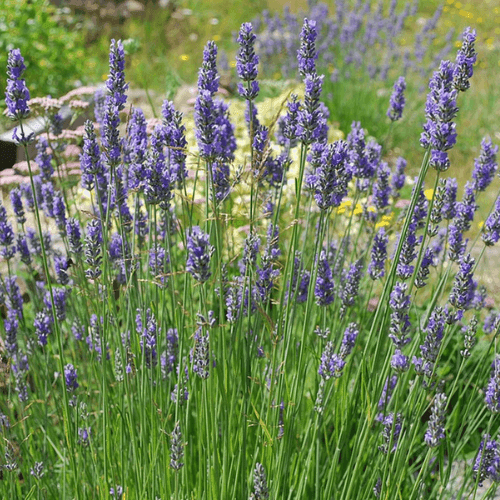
487	463
485	166
376	268
208	78
176	451
246	62
324	288
261	491
17	94
435	431
466	57
440	109
199	254
307	53
492	393
70	377
463	287
397	100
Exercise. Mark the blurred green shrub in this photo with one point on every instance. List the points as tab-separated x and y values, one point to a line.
51	44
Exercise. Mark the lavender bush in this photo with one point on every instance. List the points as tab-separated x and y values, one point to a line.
212	316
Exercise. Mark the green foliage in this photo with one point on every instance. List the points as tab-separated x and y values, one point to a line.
54	53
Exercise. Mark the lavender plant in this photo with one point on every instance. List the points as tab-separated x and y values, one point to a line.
205	317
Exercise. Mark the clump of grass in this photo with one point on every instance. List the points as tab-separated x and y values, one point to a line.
259	315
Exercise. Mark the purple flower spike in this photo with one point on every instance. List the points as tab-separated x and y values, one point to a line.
398	177
200	356
116	80
307	53
466	57
400	320
7	238
491	231
492	393
435	430
331	363
324	287
17	94
43	327
246	62
485	166
70	376
487	463
176	449
397	100
399	362
93	252
199	254
311	117
440	109
261	491
376	268
463	287
208	77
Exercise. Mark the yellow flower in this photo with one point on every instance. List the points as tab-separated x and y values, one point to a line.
428	193
340	210
232	64
458	5
380	224
481	224
216	38
184	57
346	203
358	210
372	209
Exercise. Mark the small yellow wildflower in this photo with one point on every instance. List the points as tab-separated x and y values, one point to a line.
428	193
446	8
479	20
450	1
358	210
346	203
380	224
372	209
184	57
232	64
458	5
216	38
340	210
481	224
458	44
